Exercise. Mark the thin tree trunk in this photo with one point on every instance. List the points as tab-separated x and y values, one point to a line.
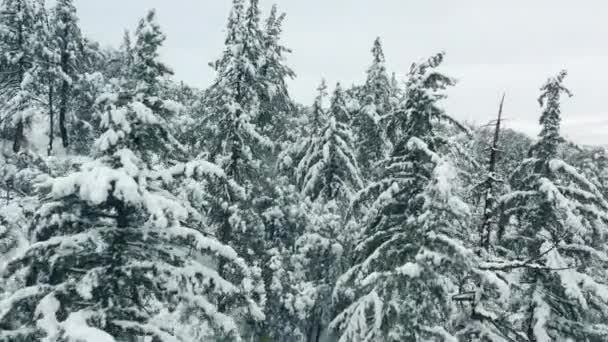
65	91
18	137
51	121
62	112
486	226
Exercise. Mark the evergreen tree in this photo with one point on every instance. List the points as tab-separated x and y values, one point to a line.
318	113
236	142
420	92
146	68
318	260
234	96
285	220
69	47
21	26
145	82
411	258
593	163
376	102
553	225
328	174
116	256
276	107
328	168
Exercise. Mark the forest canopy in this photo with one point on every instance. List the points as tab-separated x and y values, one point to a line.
155	211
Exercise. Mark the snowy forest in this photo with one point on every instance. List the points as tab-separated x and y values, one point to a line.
137	208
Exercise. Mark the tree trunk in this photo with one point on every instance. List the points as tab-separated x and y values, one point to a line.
65	90
486	226
62	112
51	122
18	138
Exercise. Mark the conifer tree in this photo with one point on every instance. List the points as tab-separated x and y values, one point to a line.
276	107
328	175
234	96
376	104
553	224
145	81
420	92
117	257
147	70
594	165
318	115
411	257
21	26
285	220
236	142
69	46
328	168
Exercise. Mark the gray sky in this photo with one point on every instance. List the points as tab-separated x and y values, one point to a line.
492	46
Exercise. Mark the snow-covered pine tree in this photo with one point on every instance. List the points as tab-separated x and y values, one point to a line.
593	163
235	141
553	225
145	79
116	257
276	107
285	220
328	167
21	23
18	201
46	73
318	113
146	68
419	91
328	175
68	45
412	257
376	104
313	120
317	261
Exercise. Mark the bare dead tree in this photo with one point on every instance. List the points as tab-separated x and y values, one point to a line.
491	180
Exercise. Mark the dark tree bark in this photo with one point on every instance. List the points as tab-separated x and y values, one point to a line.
65	90
51	122
18	137
486	225
62	113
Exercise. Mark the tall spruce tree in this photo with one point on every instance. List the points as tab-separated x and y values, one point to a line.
276	107
22	22
328	174
146	68
318	113
146	73
116	257
553	224
376	104
237	143
593	163
412	257
68	46
328	168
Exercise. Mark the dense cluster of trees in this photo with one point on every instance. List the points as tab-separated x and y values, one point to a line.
161	212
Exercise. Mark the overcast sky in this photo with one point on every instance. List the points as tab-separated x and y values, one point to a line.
492	46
